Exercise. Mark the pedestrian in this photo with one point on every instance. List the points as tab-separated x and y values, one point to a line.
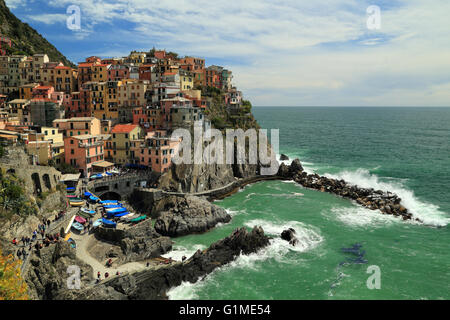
19	253
14	241
24	253
98	275
106	275
48	222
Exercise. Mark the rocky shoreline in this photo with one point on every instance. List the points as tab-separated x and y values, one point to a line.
153	284
386	202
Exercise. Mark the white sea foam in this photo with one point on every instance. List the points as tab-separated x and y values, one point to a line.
308	236
359	216
427	212
178	252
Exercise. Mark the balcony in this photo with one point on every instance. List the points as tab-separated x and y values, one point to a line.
92	144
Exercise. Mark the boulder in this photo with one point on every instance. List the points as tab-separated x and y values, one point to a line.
188	215
138	242
289	235
295	166
284	157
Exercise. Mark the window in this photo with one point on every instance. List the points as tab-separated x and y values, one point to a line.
72	151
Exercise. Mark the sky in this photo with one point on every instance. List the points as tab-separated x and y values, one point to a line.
282	53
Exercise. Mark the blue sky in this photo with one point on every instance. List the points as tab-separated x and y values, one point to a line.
290	53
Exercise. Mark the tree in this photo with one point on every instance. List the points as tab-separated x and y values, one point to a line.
12	285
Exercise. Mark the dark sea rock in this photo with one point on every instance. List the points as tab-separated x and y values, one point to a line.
284	157
187	215
153	284
138	242
289	235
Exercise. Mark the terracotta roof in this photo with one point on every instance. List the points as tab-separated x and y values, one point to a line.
43	87
123	128
62	67
85	64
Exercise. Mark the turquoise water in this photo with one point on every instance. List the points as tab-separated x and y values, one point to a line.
405	150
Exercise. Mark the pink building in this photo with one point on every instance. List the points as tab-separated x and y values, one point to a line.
156	150
118	72
84	152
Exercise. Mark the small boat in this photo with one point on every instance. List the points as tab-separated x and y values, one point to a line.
87	194
128	217
76	202
122	214
70	189
86	210
108	173
77	226
108	223
71	196
93	198
116	210
108	201
72	243
97	223
138	219
84	215
96	176
80	220
112	206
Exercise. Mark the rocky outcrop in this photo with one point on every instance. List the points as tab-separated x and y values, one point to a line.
284	157
153	284
47	273
191	178
289	236
137	243
386	202
186	215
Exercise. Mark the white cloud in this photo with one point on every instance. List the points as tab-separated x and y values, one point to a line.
294	52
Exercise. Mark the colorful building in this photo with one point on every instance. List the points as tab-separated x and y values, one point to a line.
119	147
78	126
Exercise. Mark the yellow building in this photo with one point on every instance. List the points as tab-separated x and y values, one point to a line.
118	149
99	72
137	58
52	134
186	80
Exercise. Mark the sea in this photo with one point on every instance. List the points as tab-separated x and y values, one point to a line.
405	150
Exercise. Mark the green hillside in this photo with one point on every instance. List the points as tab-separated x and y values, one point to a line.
25	38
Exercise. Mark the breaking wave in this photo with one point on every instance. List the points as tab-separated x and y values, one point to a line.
427	212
